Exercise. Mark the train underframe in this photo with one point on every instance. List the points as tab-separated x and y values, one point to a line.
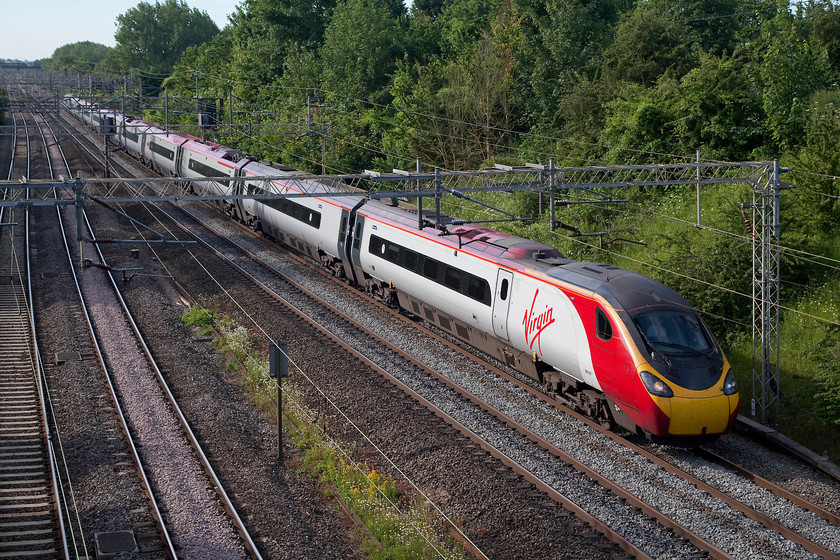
563	387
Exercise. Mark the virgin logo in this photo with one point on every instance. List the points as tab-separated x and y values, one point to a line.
535	324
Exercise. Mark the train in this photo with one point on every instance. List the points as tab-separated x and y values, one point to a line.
614	344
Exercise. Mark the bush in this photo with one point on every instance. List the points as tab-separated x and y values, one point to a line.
197	317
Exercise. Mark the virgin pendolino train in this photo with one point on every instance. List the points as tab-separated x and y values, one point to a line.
614	344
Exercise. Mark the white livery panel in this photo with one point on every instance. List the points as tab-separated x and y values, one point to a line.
467	294
542	321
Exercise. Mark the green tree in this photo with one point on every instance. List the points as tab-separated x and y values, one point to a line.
267	31
719	110
561	45
463	23
827	394
640	125
152	37
714	26
791	69
361	49
813	209
83	57
422	40
430	8
649	42
823	17
457	112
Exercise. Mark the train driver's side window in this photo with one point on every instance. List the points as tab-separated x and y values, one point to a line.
602	325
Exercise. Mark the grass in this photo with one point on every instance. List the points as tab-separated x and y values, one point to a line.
397	525
198	317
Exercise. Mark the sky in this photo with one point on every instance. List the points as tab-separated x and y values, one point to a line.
33	29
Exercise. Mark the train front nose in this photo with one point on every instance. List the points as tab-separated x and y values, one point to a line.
702	415
684	412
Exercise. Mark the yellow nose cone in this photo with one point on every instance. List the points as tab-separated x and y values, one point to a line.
690	416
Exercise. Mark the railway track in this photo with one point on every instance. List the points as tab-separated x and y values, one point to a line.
30	512
112	348
172	497
270	300
653	508
666	519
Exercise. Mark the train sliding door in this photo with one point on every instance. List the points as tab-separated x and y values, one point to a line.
501	302
356	247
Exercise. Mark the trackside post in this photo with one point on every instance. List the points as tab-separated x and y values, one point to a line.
278	368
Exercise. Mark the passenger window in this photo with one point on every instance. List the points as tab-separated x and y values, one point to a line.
503	291
476	287
452	278
430	268
410	260
603	326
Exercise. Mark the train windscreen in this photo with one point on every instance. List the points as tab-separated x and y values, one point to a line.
675	332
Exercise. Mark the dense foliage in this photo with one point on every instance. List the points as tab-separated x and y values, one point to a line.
464	83
152	37
81	57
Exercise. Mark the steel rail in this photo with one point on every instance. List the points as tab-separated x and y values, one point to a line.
823	513
40	371
556	496
630	498
156	514
749	512
22	453
584	516
734	503
238	524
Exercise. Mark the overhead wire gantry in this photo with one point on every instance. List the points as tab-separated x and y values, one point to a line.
762	177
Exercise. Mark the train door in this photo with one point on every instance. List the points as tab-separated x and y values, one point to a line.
356	248
350	232
501	302
603	349
179	158
143	146
344	242
624	382
239	189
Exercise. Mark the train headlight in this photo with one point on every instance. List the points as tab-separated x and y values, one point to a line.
729	385
655	386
